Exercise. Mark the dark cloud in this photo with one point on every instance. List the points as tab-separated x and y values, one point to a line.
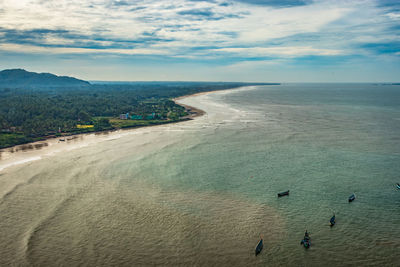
137	8
205	14
126	5
202	12
28	36
225	4
38	37
395	28
383	48
389	4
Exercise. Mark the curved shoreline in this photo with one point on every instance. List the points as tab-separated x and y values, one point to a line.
25	153
194	112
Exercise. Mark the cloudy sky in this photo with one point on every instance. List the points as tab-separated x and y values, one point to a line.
212	40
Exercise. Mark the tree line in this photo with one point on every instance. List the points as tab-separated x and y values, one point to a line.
28	114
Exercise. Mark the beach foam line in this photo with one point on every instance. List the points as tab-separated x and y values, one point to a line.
53	147
22	161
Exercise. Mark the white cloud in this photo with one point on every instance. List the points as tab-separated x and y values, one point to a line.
237	29
75	50
394	15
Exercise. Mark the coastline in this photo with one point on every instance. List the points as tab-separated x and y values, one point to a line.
193	113
24	153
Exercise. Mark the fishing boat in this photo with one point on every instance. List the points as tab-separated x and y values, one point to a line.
306	242
398	185
333	220
352	197
259	247
286	193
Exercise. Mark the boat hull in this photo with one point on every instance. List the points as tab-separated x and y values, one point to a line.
306	243
286	193
259	247
333	221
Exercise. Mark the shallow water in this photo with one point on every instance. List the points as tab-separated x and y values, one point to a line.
201	192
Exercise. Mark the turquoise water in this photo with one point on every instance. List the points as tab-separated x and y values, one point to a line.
322	142
201	192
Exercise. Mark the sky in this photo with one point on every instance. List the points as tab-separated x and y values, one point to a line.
211	40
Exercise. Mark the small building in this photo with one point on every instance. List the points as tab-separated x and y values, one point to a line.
136	117
151	116
124	116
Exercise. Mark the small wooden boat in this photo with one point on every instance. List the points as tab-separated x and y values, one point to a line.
398	185
306	242
333	220
259	247
352	197
286	193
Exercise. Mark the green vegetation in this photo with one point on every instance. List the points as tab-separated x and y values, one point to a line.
102	124
10	139
30	114
117	123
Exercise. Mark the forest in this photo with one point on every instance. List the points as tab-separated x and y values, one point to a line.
28	115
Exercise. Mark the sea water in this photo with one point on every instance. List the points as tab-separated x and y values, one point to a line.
203	191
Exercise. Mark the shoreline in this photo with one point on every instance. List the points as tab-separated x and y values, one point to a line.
193	113
41	141
28	152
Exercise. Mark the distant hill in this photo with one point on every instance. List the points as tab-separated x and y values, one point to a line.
19	78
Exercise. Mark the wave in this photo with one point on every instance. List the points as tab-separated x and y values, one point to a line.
31	236
5	196
2	167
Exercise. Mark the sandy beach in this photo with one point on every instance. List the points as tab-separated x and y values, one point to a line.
25	153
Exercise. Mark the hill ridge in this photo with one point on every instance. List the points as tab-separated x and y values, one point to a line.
21	78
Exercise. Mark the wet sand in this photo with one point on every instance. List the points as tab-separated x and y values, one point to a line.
103	205
24	153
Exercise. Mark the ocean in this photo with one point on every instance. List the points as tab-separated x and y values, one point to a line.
201	192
